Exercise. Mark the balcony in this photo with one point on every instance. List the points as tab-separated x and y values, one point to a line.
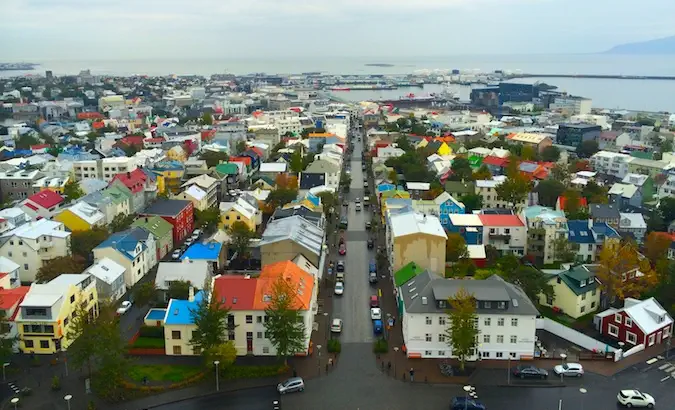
506	238
46	244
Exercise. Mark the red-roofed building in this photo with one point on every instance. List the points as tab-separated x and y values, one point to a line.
507	233
90	116
561	201
245	160
141	183
39	149
235	292
496	165
208	135
10	299
44	204
130	141
155	142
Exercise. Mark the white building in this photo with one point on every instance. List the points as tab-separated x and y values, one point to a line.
611	163
506	317
208	184
134	249
507	233
633	223
544	227
572	105
104	169
109	277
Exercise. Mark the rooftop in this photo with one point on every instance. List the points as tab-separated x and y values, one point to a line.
203	251
179	312
106	270
167	207
46	199
410	223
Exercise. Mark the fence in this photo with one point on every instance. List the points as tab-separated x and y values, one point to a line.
573	336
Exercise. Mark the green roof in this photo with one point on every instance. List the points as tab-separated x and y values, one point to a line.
227	168
406	273
117	192
574	276
475	160
156	225
267	179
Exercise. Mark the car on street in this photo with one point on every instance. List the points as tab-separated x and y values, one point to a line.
374	301
377	327
188	242
372	277
569	370
340	266
339	288
343	249
291	385
124	307
529	372
344	222
376	313
357	200
336	326
371	243
365	184
358	207
196	234
176	254
466	403
345	203
368	225
635	398
372	266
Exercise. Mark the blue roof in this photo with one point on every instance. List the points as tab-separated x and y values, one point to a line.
209	251
528	167
125	242
579	232
168	165
385	187
602	228
179	311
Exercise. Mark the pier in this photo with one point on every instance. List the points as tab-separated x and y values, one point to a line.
595	76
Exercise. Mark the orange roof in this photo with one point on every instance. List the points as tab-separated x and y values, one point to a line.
320	135
10	297
302	281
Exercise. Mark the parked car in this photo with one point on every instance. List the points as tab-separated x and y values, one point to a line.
345	202
291	385
569	370
371	243
529	372
176	254
368	225
377	327
374	301
341	266
196	234
336	326
358	207
124	307
376	313
343	249
344	222
188	242
372	266
339	288
340	276
635	398
466	403
372	277
357	200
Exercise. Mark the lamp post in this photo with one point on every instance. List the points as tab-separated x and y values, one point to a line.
15	402
325	331
563	356
216	363
67	399
318	362
395	356
4	374
467	389
583	392
508	374
65	360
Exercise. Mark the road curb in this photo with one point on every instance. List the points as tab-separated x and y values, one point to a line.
530	385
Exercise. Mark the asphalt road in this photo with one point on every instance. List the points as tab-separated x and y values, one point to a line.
250	399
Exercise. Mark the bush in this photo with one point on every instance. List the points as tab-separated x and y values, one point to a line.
156	332
334	346
148	343
380	346
252	372
91	405
56	383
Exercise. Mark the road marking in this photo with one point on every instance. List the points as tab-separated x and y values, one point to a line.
652	360
664	366
665	378
669	368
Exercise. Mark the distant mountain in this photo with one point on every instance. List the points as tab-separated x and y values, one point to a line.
659	46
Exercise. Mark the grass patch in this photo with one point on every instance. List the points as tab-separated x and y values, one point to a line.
148	343
162	373
252	372
561	318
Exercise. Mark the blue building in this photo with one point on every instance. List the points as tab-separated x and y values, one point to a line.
588	237
447	205
468	226
212	252
517	92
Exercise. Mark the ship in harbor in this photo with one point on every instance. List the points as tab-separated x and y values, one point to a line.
17	66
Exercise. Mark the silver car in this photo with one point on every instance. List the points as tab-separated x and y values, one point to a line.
291	385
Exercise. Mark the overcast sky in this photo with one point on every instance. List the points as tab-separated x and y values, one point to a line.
172	29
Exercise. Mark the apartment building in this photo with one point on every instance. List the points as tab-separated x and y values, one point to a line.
104	169
507	233
18	184
208	185
571	105
611	163
487	189
544	226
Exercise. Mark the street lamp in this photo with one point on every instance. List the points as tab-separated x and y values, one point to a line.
318	363
395	356
563	356
325	331
15	402
583	392
217	362
4	375
67	399
467	389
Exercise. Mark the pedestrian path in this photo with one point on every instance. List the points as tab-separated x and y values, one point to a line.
668	370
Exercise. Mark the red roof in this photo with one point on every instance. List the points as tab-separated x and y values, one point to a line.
245	160
561	202
134	180
39	146
132	140
500	220
89	115
495	161
207	135
235	292
45	199
257	151
10	297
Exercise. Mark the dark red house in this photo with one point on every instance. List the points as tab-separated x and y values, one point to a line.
178	213
639	322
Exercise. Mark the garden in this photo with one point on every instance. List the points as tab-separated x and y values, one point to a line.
162	373
149	338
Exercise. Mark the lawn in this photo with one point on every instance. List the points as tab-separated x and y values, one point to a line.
162	373
148	343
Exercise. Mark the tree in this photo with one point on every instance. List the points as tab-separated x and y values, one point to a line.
25	141
656	246
564	250
491	255
179	289
207	218
279	198
210	320
594	193
393	177
225	353
528	153
84	337
508	264
296	162
666	146
285	325
285	181
618	265
214	158
667	209
329	203
53	268
471	202
560	173
462	333
455	248
72	190
573	208
655	221
307	159
514	190
587	148
461	169
7	342
532	281
549	190
240	238
207	119
121	222
550	154
241	147
483	173
145	293
83	242
112	364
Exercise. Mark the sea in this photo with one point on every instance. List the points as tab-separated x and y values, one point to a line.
637	95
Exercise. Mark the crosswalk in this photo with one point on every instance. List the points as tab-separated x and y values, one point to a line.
669	371
14	388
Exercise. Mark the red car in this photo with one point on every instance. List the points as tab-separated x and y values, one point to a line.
343	249
374	301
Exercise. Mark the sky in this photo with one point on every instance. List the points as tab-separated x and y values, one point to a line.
167	29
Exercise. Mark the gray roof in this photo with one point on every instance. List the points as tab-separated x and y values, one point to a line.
296	229
422	293
194	271
321	166
166	207
605	211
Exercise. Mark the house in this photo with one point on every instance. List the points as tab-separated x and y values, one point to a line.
442	206
142	184
43	204
169	176
608	213
544	227
468	226
104	169
633	224
179	213
17	184
10	299
286	238
507	233
109	277
272	169
625	196
212	252
576	291
496	165
589	236
179	325
209	185
638	322
649	167
537	141
611	163
81	217
195	272
194	194
9	274
506	317
32	244
130	250
329	169
47	312
161	230
415	237
238	211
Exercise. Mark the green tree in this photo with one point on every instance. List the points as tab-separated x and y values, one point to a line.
145	293
404	143
461	169
594	193
549	190
207	119
666	146
207	218
307	159
25	141
121	222
462	333
53	268
214	158
241	147
83	242
210	320
329	202
655	221
296	163
72	190
573	208
84	337
240	238
393	177
564	250
667	209
285	324
179	289
550	154
560	173
225	353
514	190
483	173
279	198
587	148
528	153
455	248
471	202
532	281
112	363
7	342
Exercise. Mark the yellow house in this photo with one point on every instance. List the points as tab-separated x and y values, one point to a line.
265	183
416	237
576	291
178	325
169	176
237	211
46	313
422	143
177	153
196	195
444	149
81	217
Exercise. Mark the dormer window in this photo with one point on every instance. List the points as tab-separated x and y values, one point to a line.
501	305
487	305
582	283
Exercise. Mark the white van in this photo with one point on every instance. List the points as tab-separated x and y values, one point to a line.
366	201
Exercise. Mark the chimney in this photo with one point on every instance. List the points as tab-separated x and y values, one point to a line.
191	294
128	174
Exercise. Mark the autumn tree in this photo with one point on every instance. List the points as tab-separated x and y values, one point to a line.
483	173
514	189
53	268
210	320
623	272
462	333
285	181
573	207
528	153
83	242
72	190
656	246
240	238
284	323
455	248
532	281
179	289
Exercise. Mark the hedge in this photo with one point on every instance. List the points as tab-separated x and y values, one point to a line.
252	372
148	343
151	331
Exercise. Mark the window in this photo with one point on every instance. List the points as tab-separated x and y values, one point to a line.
514	339
91	297
25	266
266	335
583	309
507	231
666	331
175	334
617	317
441	338
513	355
613	330
427	353
592	305
583	296
428	320
266	350
549	299
28	343
177	350
487	321
500	355
44	344
514	322
249	318
441	352
500	338
485	355
501	305
492	230
487	305
65	322
258	319
442	320
72	299
486	338
259	335
651	339
631	338
500	321
427	337
629	322
230	336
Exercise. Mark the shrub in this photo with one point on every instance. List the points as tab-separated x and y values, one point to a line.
156	332
149	343
252	372
380	346
334	346
56	383
91	405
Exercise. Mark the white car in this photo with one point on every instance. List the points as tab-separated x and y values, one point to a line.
176	254
126	305
336	326
635	398
376	313
195	234
569	370
339	288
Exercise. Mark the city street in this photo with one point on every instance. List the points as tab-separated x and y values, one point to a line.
249	399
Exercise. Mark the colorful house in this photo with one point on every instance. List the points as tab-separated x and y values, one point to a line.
43	204
238	211
161	229
391	194
169	176
133	249
638	322
444	149
415	237
81	217
180	214
469	226
576	292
